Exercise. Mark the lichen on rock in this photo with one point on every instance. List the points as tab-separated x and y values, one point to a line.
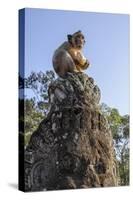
73	146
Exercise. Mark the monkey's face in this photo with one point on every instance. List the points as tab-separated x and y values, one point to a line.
77	40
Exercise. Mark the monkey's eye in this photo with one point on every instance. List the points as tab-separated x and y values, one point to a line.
80	37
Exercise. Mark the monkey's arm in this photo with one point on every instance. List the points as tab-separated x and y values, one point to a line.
85	65
82	63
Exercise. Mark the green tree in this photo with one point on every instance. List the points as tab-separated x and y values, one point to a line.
32	119
35	107
120	130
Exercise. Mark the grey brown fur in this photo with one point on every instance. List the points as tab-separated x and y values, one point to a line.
69	57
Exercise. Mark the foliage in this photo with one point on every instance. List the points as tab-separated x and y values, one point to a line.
35	107
32	118
120	130
39	83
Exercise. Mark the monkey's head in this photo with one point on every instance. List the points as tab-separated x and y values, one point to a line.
77	40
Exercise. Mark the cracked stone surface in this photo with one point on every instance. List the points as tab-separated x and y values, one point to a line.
73	146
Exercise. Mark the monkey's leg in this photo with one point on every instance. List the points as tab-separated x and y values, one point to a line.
69	63
63	63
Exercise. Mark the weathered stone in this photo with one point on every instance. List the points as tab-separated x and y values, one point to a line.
72	147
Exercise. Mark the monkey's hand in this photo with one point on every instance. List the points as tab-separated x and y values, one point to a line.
77	62
82	66
87	64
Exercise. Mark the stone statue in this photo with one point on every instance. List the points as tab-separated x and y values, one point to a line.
69	57
73	146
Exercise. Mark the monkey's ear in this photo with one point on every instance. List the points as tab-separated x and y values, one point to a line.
69	37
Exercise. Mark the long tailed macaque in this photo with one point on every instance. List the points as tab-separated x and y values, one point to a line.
69	57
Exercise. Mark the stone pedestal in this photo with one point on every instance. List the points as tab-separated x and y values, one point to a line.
72	147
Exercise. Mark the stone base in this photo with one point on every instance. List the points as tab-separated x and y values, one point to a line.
73	147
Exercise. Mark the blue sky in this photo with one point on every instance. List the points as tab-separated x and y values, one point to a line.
107	47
